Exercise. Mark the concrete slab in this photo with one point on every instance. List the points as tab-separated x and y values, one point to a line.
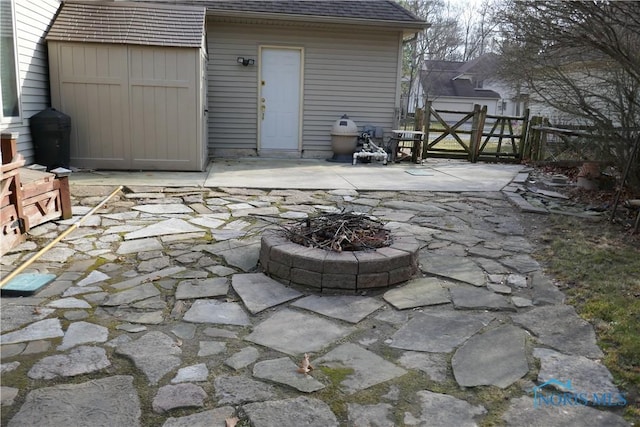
318	174
432	175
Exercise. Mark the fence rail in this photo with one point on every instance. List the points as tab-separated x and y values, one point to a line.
472	135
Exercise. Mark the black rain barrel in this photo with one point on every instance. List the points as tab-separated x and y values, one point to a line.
51	134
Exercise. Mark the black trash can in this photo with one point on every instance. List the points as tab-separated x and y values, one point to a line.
51	134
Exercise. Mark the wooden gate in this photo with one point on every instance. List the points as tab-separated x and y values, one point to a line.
474	135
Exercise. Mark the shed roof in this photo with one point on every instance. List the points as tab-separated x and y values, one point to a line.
129	23
374	11
380	10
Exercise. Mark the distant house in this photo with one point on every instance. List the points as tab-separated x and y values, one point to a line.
275	77
457	86
24	65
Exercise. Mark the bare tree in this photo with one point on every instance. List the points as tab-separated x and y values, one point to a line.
479	24
583	59
439	41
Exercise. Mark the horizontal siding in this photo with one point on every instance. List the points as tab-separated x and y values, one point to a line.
33	18
352	72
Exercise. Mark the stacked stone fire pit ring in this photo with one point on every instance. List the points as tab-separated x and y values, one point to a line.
326	270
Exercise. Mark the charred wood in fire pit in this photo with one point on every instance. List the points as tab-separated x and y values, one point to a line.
345	231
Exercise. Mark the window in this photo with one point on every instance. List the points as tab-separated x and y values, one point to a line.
8	68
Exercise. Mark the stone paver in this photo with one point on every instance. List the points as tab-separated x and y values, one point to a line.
195	373
15	316
214	417
349	308
496	357
156	354
80	360
295	333
238	389
243	358
284	371
438	332
204	288
259	292
456	268
559	326
170	279
83	333
132	295
523	412
212	311
417	293
367	368
433	364
106	402
163	228
467	297
291	412
178	396
370	415
43	329
441	410
588	377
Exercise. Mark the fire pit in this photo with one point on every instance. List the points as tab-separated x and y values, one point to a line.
344	251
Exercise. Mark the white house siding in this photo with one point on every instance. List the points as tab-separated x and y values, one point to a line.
33	18
348	71
462	105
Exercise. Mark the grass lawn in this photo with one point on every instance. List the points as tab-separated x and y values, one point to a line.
598	267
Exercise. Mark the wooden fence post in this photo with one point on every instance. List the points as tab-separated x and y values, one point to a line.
533	139
427	125
474	132
524	134
417	140
477	128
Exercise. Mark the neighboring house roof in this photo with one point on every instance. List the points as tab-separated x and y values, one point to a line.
484	65
454	78
375	11
129	23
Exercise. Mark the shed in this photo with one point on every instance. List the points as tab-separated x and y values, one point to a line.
282	71
133	79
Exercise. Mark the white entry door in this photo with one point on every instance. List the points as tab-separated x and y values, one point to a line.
279	103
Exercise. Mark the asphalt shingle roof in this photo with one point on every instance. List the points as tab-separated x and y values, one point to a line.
439	77
120	23
379	10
